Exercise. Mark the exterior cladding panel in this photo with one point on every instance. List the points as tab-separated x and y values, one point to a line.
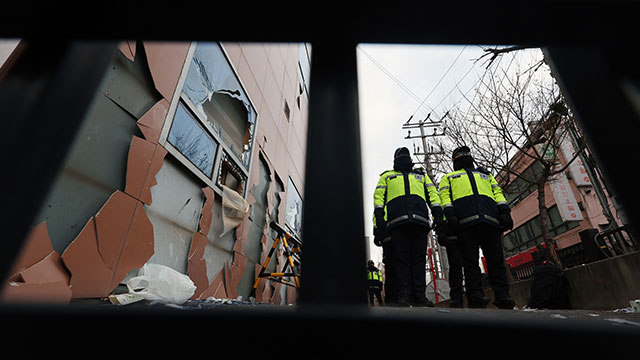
158	212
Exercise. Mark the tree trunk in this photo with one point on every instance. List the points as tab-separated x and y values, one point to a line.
550	253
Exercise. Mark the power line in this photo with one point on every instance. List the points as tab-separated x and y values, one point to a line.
439	81
390	75
396	80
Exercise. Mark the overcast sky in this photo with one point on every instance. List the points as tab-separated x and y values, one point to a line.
393	82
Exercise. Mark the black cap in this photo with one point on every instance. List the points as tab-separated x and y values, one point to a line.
403	151
461	151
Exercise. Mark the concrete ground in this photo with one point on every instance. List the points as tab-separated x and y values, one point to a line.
617	318
319	331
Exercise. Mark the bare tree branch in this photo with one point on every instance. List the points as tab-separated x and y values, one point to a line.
495	52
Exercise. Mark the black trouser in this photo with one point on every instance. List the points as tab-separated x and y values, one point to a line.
375	291
409	242
454	255
388	259
487	237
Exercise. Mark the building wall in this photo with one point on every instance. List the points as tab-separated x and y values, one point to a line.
527	208
124	197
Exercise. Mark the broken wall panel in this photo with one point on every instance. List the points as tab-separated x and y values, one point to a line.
35	248
40	293
48	270
124	241
161	207
128	49
138	246
216	289
138	162
152	121
112	226
129	85
96	163
207	210
166	60
143	163
40	274
90	276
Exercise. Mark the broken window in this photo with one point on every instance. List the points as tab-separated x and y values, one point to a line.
293	216
231	176
215	121
189	137
215	91
304	72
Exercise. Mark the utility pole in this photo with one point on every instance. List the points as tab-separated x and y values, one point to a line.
426	150
429	128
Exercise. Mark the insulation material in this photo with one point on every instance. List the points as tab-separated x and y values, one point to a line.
144	162
234	209
40	275
166	60
152	121
124	239
197	264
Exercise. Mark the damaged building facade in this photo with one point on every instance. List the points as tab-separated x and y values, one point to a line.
188	152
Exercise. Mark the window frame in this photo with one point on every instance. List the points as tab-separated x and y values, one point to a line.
523	244
222	148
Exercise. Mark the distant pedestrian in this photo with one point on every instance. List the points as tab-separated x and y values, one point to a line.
477	213
402	199
374	283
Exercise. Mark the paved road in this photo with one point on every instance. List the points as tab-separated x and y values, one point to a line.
597	317
325	331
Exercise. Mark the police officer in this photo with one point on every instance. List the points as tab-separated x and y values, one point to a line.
374	283
402	199
477	212
448	239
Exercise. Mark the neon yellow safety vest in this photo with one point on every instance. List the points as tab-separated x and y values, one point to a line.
374	275
405	196
473	195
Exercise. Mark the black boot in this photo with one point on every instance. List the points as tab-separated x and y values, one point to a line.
506	303
479	303
422	302
456	303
